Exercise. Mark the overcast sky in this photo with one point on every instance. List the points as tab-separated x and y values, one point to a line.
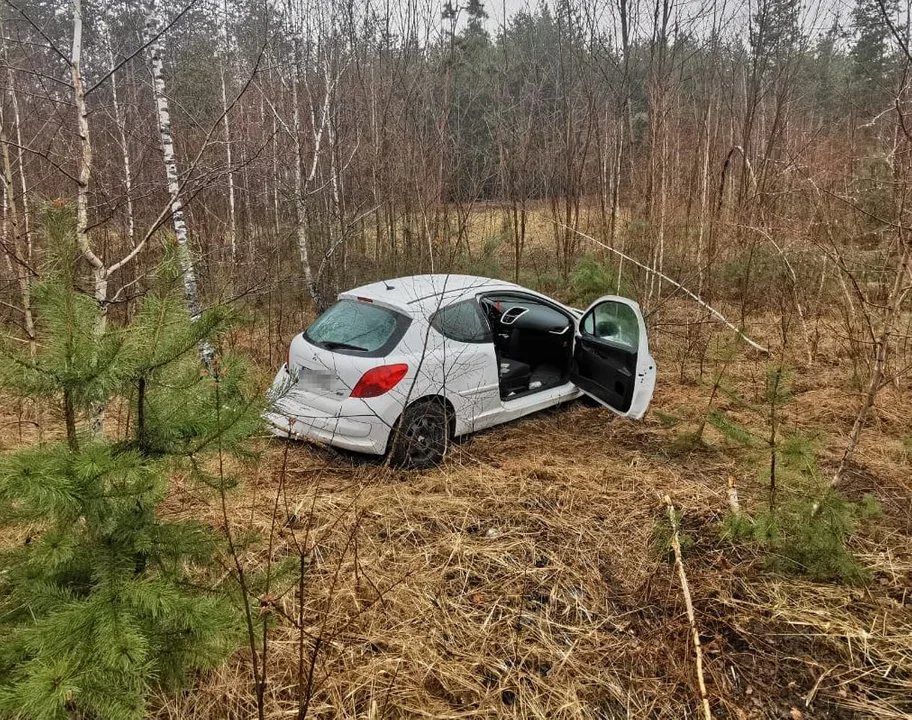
817	15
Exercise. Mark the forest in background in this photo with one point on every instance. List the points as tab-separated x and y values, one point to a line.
328	143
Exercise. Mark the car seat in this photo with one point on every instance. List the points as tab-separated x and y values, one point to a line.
514	376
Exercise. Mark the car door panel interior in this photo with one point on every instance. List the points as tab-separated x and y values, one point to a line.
600	367
605	354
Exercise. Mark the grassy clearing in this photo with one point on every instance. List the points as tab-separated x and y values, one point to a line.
523	578
527	578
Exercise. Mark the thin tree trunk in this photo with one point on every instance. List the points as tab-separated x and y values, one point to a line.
17	260
337	222
300	209
120	120
23	185
275	174
69	419
616	200
704	186
302	183
232	217
188	271
99	271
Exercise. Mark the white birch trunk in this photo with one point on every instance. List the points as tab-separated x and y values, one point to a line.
337	183
16	259
23	185
188	271
232	215
616	199
120	121
275	174
299	185
99	271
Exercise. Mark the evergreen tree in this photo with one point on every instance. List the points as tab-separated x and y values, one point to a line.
105	599
796	540
872	63
476	12
469	62
827	74
775	32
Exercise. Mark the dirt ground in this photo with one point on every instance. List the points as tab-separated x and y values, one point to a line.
525	578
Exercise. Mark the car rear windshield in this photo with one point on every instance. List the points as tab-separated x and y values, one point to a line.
358	328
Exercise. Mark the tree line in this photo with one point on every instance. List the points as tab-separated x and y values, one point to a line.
368	132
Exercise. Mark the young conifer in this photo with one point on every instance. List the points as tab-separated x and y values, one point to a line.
796	541
103	599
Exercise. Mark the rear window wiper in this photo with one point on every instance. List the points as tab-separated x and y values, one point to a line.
334	345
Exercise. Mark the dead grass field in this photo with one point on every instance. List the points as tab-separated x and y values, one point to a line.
523	578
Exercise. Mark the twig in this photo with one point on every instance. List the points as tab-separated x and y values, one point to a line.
685	588
715	313
733	503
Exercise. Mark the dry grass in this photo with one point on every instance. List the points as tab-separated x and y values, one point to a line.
523	579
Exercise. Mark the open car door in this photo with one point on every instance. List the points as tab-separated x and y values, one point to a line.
611	360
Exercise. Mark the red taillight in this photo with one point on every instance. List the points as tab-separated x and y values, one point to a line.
379	380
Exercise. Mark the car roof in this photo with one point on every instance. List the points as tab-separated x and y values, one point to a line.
423	294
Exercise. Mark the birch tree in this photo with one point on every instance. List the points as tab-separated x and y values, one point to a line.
18	247
19	254
99	271
224	68
185	259
121	123
298	22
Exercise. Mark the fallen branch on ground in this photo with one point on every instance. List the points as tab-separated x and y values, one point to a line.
685	588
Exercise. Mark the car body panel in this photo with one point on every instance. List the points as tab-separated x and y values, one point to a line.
311	394
349	423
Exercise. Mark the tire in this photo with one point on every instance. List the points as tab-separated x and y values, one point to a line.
420	438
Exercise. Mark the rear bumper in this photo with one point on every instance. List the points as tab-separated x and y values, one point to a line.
348	423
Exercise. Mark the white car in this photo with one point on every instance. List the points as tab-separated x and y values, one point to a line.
405	365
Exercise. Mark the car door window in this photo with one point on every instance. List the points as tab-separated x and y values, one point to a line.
615	322
463	322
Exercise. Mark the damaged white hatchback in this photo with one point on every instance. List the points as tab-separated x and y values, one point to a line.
405	365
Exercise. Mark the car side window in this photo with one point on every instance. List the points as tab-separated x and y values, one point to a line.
463	322
615	322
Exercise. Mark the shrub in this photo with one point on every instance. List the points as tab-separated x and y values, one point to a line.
799	542
591	279
106	599
486	264
795	539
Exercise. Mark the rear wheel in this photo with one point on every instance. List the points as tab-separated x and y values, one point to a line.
420	439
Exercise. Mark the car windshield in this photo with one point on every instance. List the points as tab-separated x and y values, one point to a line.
355	326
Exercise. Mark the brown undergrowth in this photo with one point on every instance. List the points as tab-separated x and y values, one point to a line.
524	579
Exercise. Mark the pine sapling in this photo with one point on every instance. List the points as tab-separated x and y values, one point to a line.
108	598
